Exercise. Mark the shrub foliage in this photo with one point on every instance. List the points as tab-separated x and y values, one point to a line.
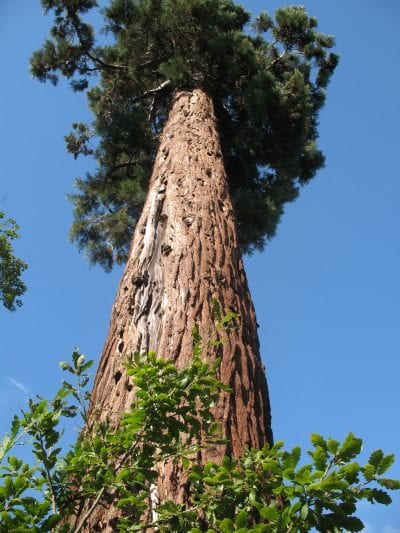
267	490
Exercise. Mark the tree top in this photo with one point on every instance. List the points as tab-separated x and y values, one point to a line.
267	78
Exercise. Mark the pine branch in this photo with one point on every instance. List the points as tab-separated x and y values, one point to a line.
104	64
76	23
152	92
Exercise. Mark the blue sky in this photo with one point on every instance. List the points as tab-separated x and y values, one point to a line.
326	289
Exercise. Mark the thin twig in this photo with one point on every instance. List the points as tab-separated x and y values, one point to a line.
48	475
331	463
89	511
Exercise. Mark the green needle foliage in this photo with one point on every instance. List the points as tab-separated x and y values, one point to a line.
11	268
267	78
267	490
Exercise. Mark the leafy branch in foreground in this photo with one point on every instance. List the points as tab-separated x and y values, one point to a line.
170	420
11	268
267	491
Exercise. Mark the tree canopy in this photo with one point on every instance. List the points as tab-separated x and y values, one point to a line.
267	78
11	267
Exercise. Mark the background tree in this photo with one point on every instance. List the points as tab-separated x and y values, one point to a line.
11	268
242	123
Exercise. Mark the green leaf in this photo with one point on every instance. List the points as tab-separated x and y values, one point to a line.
333	483
123	502
375	458
380	496
227	319
318	441
320	458
348	507
226	525
304	511
253	499
242	519
277	446
385	464
350	447
15	426
87	365
134	420
351	472
5	446
393	484
218	342
288	473
368	472
80	361
296	454
352	523
269	513
185	462
333	445
278	490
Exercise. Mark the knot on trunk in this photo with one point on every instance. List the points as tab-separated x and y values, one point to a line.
166	249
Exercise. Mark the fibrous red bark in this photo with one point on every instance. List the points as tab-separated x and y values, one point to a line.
184	254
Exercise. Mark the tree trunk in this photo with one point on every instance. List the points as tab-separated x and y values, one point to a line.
184	254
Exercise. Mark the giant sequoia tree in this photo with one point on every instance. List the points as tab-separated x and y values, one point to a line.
205	126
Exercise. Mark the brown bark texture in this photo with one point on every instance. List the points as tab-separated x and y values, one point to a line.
184	254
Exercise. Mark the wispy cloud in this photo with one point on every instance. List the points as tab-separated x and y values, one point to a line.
19	385
391	529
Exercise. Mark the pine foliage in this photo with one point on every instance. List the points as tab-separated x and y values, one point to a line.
267	78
